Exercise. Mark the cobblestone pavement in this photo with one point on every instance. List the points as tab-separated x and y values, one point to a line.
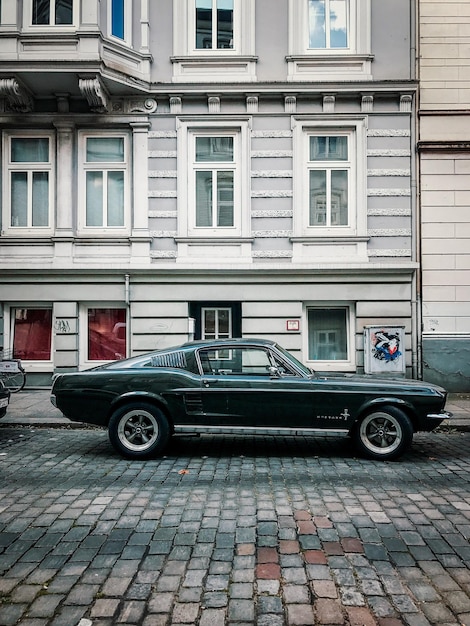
232	531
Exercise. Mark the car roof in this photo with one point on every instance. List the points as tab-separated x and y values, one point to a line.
201	343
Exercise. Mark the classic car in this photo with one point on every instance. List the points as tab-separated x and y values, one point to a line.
243	386
4	399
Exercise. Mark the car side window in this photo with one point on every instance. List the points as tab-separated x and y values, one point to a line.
236	361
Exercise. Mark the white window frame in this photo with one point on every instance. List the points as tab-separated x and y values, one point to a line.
84	361
127	40
9	167
187	133
220	65
357	208
84	167
346	365
9	321
351	63
216	310
28	17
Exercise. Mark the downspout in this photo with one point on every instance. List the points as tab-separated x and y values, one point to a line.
127	299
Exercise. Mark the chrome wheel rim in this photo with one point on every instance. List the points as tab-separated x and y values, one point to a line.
138	430
380	433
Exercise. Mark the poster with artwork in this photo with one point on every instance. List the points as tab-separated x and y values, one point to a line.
384	350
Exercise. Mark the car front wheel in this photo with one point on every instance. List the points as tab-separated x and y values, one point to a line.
384	434
138	431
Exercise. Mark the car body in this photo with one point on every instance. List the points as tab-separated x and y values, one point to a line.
4	399
243	386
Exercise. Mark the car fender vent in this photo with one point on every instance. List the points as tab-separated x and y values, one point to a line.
172	359
193	403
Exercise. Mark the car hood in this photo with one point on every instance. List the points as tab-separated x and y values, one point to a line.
385	382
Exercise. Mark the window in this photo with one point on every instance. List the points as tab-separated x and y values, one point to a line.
221	31
328	24
329	39
31	332
104	190
329	172
107	339
213	24
120	20
216	320
52	12
28	189
330	333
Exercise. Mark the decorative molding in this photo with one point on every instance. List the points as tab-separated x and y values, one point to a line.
329	104
389	232
95	92
367	104
162	134
271	134
252	104
290	104
388	132
176	105
163	214
213	103
386	172
389	153
271	174
272	254
267	154
163	254
271	193
272	213
399	252
405	103
388	192
18	97
163	174
162	154
162	194
163	234
389	212
148	105
272	233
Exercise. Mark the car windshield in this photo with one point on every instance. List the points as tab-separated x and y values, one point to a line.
288	356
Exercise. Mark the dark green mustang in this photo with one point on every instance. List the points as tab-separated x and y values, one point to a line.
243	386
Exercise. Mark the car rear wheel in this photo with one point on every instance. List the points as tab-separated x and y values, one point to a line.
138	431
384	434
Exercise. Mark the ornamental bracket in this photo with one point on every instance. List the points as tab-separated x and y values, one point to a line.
18	97
95	92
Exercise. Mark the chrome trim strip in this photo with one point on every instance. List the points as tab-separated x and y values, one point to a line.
440	416
253	430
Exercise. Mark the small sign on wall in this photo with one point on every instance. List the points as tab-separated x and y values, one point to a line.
293	325
384	350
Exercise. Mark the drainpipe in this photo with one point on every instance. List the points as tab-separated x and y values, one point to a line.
128	305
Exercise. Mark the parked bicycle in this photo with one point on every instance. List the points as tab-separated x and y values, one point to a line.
12	373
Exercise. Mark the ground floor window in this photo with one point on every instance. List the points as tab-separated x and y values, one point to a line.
330	334
216	320
107	337
32	333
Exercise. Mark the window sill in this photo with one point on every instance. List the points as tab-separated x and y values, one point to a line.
215	68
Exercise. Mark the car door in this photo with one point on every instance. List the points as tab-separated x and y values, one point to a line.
246	386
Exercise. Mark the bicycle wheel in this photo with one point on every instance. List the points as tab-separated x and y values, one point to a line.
14	381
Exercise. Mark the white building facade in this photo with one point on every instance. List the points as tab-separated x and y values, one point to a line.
206	168
444	150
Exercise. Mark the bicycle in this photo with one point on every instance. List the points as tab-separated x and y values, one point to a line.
12	374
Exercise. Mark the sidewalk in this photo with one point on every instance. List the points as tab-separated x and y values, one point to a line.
33	407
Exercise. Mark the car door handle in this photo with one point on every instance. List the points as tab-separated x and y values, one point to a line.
207	381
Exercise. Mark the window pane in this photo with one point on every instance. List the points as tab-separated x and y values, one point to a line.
94	199
224	326
209	330
40	199
32	334
204	199
338	24
41	12
106	334
317	26
224	24
115	198
117	18
318	201
19	199
328	148
225	199
105	149
339	198
29	150
203	24
214	149
327	335
63	11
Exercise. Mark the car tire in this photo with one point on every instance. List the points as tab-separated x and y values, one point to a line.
383	434
138	431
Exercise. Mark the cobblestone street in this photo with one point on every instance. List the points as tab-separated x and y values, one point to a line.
232	531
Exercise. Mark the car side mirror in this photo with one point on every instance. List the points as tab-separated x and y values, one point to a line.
274	372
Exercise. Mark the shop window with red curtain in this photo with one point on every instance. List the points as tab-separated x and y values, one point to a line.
32	332
107	338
